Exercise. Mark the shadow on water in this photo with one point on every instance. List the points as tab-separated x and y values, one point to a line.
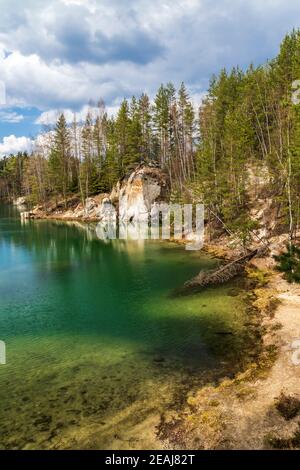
93	336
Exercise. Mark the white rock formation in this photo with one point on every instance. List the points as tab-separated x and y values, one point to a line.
131	198
139	192
20	201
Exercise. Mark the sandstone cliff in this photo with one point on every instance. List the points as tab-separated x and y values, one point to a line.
132	198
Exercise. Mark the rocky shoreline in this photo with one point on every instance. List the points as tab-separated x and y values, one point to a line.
132	198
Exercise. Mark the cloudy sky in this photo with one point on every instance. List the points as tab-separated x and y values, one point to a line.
60	54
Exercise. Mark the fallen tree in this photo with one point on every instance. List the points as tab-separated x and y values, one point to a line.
217	276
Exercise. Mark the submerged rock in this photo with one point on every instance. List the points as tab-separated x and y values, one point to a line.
159	360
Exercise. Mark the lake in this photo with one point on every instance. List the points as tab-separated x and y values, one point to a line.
99	351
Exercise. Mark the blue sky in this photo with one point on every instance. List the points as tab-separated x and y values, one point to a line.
60	54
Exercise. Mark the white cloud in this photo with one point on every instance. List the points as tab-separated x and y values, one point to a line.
13	145
10	117
87	49
49	118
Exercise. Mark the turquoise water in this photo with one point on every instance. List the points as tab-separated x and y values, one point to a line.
98	351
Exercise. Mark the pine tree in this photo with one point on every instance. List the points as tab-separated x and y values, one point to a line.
147	144
60	160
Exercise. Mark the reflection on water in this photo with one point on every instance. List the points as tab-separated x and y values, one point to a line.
97	350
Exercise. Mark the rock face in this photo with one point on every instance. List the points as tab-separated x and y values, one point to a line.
20	202
262	209
136	195
131	198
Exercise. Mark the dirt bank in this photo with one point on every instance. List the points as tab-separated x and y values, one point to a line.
249	411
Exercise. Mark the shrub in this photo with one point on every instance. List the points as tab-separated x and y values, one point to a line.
288	406
289	263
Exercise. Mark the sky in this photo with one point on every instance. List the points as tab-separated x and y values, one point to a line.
59	55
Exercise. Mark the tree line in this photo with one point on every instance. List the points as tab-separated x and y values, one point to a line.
246	120
89	158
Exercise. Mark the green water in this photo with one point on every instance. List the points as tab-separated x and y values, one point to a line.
98	351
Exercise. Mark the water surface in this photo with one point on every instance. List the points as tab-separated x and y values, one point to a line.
98	351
